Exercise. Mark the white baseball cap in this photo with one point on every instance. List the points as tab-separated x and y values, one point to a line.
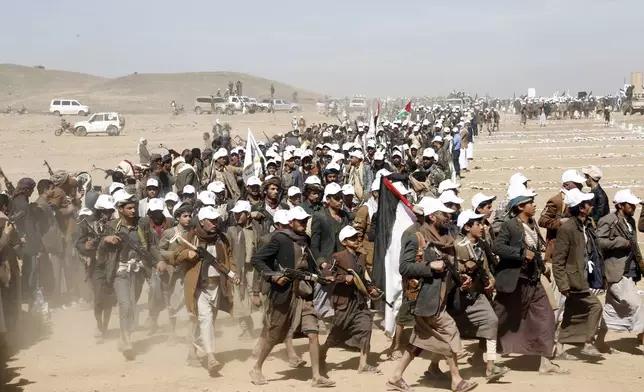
437	139
104	202
626	196
313	180
396	153
446	185
572	175
332	189
593	172
171	196
207	198
480	198
298	213
115	186
288	156
188	189
253	180
517	190
378	156
333	166
292	191
221	153
518	178
356	153
208	212
348	189
85	212
466	216
155	204
282	217
574	197
347	232
216	187
429	153
431	205
450	197
152	182
121	197
241	206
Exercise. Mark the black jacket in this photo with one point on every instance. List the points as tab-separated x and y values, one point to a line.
428	303
601	207
510	248
279	252
324	239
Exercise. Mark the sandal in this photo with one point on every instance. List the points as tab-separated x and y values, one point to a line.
555	370
368	369
212	365
257	378
564	356
465	386
496	373
399	385
296	363
322	382
396	355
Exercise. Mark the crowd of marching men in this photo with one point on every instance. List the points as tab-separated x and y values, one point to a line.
306	233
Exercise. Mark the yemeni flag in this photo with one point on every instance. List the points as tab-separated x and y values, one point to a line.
405	112
394	216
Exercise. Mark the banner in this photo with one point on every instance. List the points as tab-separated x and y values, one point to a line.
253	159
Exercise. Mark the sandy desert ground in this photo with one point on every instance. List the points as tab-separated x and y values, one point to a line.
68	359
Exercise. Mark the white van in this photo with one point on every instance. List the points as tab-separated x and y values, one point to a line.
58	107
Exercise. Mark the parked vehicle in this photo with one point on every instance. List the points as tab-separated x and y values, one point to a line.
205	104
282	105
111	123
65	127
59	107
358	103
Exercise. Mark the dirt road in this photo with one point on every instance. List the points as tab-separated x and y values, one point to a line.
68	359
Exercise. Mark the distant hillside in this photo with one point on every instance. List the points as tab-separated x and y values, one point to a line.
34	88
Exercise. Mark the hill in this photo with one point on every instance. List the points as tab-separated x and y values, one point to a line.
34	88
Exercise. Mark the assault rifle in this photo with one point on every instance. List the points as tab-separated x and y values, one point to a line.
145	255
206	257
7	183
362	283
51	172
294	274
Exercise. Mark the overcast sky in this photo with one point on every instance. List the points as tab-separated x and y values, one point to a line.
374	47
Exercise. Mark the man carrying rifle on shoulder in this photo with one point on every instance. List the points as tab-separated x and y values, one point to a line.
352	318
290	300
210	273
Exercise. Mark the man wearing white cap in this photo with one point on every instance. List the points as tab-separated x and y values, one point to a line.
208	282
555	212
313	191
294	198
290	176
244	239
291	306
171	199
360	175
482	204
151	192
600	201
264	211
184	174
253	190
617	237
572	254
452	202
526	319
349	200
151	228
476	318
87	244
326	225
352	318
182	215
426	284
220	170
187	194
123	267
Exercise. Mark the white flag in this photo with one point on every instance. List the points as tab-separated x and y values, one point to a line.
253	158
